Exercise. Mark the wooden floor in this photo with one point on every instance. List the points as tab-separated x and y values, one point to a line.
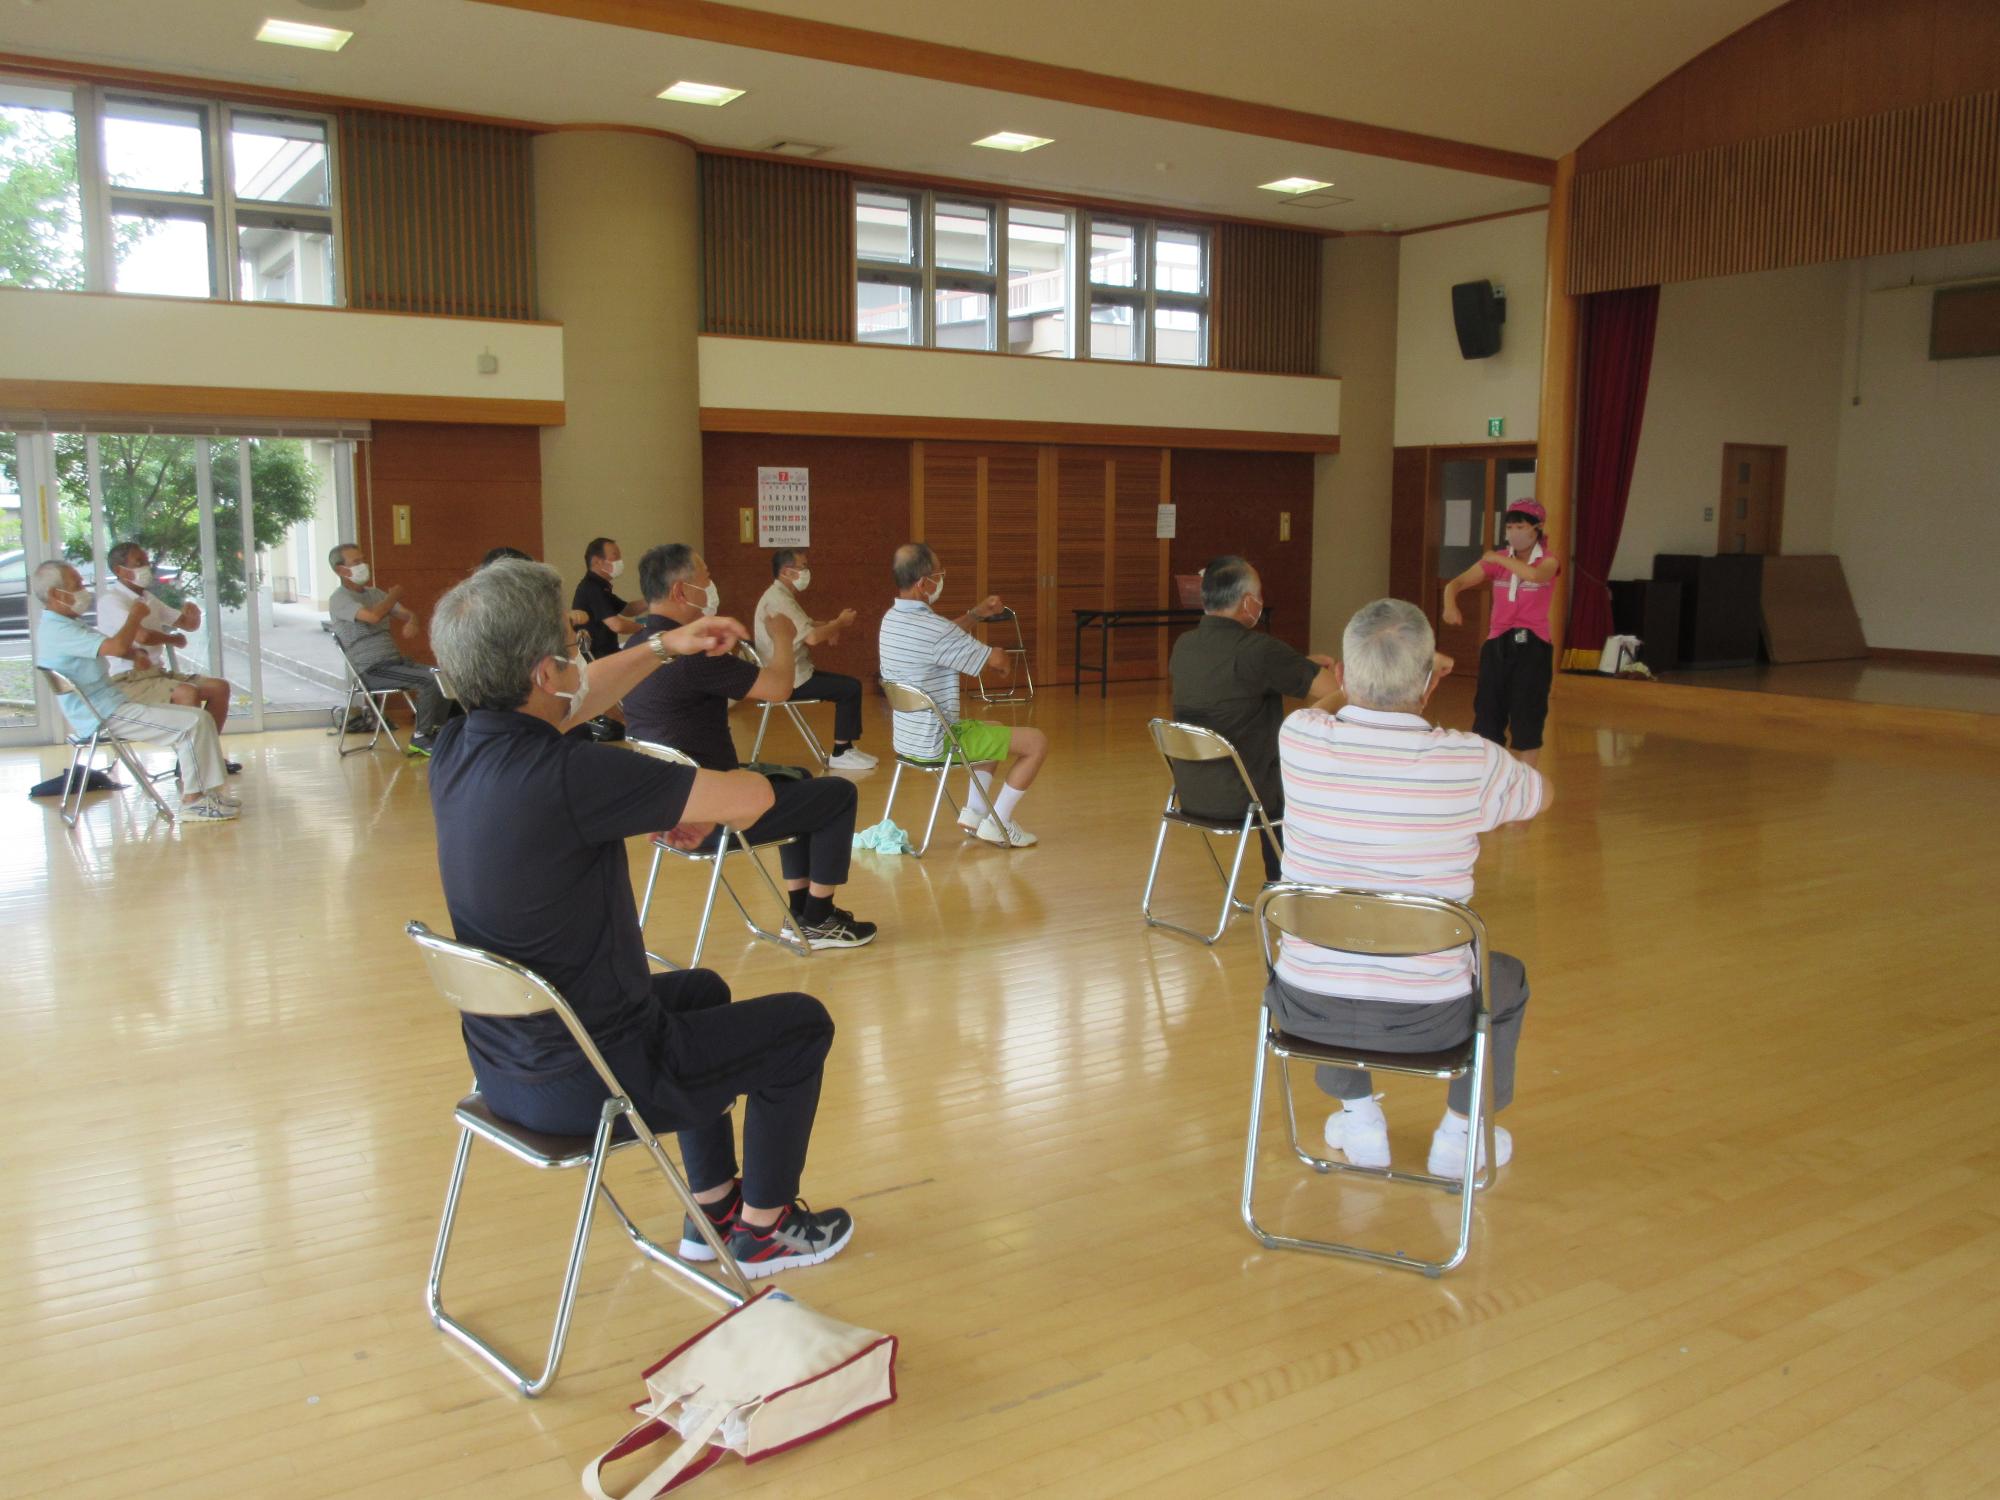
1904	684
1749	1245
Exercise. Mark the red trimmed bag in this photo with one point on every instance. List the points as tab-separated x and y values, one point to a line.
766	1376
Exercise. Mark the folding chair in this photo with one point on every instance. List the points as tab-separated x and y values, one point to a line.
1192	744
729	841
791	706
1023	689
483	984
83	756
1382	925
377	706
904	699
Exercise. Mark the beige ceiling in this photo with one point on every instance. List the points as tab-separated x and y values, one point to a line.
461	56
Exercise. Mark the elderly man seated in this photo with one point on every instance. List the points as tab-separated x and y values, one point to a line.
687	706
1233	679
920	648
531	831
1378	799
146	677
791	576
361	614
65	644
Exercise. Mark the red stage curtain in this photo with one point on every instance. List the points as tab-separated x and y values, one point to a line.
1617	359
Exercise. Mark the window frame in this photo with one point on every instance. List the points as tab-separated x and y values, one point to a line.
925	278
103	201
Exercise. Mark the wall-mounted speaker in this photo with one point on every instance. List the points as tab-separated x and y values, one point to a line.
1477	311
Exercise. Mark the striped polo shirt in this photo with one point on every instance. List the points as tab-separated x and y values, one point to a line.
922	649
1384	801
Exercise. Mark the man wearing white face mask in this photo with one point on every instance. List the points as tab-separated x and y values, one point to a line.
361	615
607	618
146	678
791	576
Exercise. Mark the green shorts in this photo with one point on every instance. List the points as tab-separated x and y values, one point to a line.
979	741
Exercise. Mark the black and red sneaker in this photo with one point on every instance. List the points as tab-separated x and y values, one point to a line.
799	1238
720	1213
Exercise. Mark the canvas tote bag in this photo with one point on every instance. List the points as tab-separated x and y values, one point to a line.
767	1376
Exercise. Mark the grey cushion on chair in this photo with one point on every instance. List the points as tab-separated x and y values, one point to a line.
560	1150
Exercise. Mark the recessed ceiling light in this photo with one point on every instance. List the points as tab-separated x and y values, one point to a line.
1294	185
700	93
299	34
1013	140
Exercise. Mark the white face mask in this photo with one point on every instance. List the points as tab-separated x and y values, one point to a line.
714	601
358	573
615	569
582	665
142	578
804	580
936	589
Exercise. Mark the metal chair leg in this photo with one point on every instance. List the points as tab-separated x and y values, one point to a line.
708	901
813	746
763	723
138	772
795	939
74	780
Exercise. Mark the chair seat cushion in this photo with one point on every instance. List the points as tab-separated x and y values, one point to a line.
1448	1063
554	1150
1216	825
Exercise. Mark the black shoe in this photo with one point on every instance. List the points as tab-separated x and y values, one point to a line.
422	744
799	1238
234	767
693	1246
840	930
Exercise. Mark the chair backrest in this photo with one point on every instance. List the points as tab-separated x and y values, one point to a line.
353	675
1382	924
478	983
58	683
749	653
658	751
444	683
905	699
1177	741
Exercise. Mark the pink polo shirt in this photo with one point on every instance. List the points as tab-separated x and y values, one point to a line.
1517	603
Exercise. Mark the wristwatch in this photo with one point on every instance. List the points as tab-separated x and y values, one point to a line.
659	646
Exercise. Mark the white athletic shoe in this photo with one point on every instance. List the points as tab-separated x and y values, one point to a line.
970	817
209	809
1006	835
1358	1132
853	758
1448	1150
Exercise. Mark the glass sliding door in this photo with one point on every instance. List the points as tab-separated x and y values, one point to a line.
28	534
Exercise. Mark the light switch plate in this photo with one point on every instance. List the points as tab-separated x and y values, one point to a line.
1284	526
401	513
746	524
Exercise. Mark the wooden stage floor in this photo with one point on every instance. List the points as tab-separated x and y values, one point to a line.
1749	1244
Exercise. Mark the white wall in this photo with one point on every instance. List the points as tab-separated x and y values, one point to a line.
770	375
1738	359
1351	488
1442	397
79	336
1918	511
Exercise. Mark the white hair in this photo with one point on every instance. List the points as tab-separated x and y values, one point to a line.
493	629
49	575
1386	655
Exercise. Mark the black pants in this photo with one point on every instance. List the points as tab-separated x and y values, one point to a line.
685	1069
821	810
1515	669
844	693
1273	798
433	708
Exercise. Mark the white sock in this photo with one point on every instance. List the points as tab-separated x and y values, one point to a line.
979	798
1009	799
1456	1124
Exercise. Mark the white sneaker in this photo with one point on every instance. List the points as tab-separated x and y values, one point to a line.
853	758
969	818
1006	835
1448	1150
1358	1132
209	809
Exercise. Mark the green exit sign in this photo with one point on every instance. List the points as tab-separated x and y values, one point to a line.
1495	426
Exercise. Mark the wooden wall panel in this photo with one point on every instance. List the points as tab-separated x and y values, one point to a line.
777	250
860	514
1809	63
1879	185
953	477
437	216
1014	543
1230	502
1265	305
1135	558
469	489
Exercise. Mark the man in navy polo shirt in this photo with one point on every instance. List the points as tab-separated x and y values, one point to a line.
531	830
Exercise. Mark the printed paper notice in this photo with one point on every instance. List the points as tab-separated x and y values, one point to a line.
784	508
1458	523
1520	485
1163	521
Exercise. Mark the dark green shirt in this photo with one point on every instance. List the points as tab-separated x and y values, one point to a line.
1235	681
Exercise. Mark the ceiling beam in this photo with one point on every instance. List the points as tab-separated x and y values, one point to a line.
851	46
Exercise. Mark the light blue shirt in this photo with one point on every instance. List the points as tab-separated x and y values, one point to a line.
920	648
70	647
